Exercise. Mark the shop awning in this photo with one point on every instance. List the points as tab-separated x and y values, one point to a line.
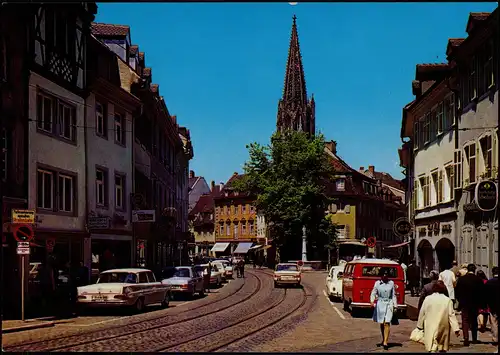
397	245
242	248
219	247
256	247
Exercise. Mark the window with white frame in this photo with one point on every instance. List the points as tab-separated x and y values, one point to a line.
46	112
449	188
440	187
100	119
486	156
66	190
251	227
425	190
55	191
45	189
67	121
470	162
457	166
236	227
435	188
221	229
427	128
100	186
440	118
340	184
341	231
119	129
5	156
228	228
416	196
120	192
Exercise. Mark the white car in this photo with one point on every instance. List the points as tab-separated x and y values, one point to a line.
185	280
215	275
135	288
221	267
334	282
228	269
287	274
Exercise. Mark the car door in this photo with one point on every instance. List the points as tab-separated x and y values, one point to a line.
157	289
144	287
329	279
198	280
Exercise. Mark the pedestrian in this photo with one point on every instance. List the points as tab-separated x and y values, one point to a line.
405	268
413	277
450	281
492	293
427	290
482	319
455	268
206	278
437	319
383	301
241	265
470	295
463	270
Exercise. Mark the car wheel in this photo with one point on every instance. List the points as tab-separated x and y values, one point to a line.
166	300
139	305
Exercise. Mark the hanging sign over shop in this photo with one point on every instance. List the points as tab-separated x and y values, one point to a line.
23	216
402	227
143	216
487	195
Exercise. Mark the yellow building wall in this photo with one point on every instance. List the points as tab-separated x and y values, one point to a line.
237	213
346	219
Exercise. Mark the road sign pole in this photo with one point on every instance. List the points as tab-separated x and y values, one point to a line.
22	288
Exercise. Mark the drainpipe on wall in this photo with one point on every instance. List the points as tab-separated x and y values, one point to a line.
87	241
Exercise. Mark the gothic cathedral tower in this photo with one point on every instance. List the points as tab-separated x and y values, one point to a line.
295	111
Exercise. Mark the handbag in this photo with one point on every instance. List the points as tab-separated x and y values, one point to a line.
394	320
417	335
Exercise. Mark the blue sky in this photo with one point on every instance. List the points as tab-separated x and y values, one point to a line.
221	67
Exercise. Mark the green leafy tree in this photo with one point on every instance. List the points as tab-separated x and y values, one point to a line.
288	177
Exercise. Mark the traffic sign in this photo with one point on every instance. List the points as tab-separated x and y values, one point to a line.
23	244
23	233
371	242
487	195
23	216
300	263
23	250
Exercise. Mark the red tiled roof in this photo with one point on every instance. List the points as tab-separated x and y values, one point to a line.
205	204
105	29
134	49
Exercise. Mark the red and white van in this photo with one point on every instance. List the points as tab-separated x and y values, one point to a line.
360	277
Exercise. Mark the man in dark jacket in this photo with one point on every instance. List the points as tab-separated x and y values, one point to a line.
492	295
413	278
470	295
428	289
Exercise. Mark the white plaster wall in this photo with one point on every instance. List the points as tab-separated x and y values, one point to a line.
106	153
50	151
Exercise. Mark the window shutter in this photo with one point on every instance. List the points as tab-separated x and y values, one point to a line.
457	166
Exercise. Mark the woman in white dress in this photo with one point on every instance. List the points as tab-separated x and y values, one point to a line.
437	319
383	300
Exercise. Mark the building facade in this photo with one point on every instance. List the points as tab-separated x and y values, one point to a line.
111	109
202	218
197	186
57	109
430	122
475	62
235	219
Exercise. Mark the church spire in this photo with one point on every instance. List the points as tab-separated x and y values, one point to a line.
295	112
295	83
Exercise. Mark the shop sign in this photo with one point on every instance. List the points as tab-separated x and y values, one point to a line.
143	216
487	195
402	227
23	216
98	223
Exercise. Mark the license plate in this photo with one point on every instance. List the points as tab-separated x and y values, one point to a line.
288	277
99	298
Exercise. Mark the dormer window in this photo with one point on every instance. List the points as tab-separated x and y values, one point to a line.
340	185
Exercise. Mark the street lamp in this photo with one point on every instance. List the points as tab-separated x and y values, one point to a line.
304	244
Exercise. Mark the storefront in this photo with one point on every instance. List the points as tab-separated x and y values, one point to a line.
110	251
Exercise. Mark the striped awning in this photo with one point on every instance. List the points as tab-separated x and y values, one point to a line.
242	248
219	247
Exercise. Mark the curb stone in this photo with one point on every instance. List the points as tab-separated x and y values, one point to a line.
28	327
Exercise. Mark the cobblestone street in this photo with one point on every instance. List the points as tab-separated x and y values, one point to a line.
244	315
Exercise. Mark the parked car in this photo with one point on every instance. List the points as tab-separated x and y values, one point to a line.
221	268
135	288
228	269
360	277
287	274
334	282
215	275
185	280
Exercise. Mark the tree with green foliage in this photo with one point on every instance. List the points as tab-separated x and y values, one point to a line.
288	177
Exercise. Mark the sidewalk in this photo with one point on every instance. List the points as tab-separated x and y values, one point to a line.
12	326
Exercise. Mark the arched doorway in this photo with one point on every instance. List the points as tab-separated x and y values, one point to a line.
426	258
445	251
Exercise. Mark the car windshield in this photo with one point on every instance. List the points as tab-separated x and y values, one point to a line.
181	272
117	277
286	268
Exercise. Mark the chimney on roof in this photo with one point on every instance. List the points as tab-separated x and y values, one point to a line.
361	169
221	186
174	118
212	185
332	146
371	169
191	174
